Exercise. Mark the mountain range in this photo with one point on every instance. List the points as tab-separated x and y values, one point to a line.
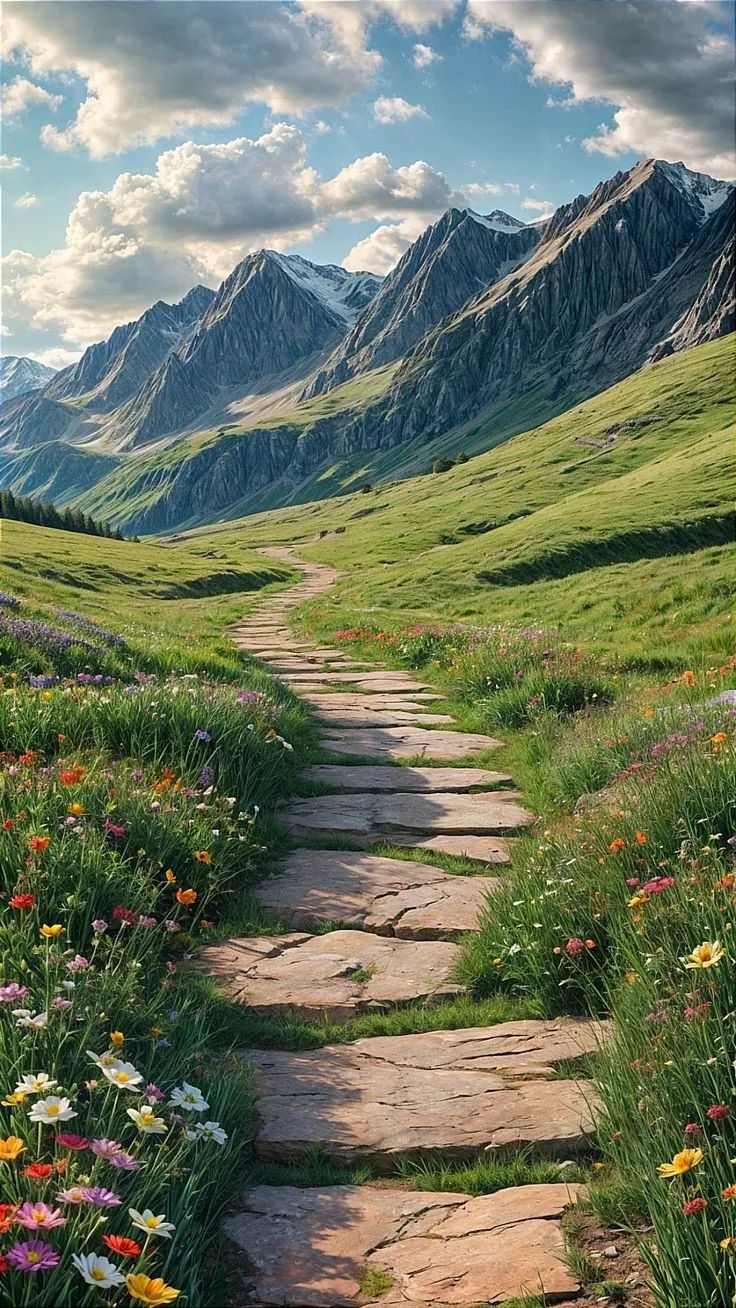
19	375
295	380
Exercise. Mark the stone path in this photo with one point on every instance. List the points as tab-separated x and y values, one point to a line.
443	1094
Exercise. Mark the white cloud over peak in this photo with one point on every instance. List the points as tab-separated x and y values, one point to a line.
483	190
667	68
26	201
423	56
381	250
19	94
543	207
154	235
396	110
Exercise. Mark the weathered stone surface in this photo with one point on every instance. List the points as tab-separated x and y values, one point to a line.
407	742
450	1093
334	976
482	849
392	897
311	1248
378	681
411	701
378	815
379	778
366	717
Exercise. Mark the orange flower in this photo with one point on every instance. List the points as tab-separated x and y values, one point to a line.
39	843
7	1217
72	776
617	845
729	1194
38	1171
117	1038
641	837
719	739
170	876
689	678
203	856
10	1147
186	896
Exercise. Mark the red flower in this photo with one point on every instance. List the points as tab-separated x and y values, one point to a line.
22	902
7	1216
718	1112
72	776
38	1171
692	1129
121	1245
39	843
4	1264
694	1206
617	845
125	915
8	824
68	1140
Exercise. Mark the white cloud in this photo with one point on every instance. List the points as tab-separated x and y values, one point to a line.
396	110
484	190
9	162
666	68
26	201
56	357
160	70
154	235
381	250
20	93
543	207
423	56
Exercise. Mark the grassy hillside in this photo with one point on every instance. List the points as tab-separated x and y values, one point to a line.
174	599
595	504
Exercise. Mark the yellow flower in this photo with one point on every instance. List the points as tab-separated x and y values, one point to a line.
150	1289
705	955
170	876
631	976
117	1038
51	932
683	1162
719	739
636	900
10	1147
76	809
17	1097
728	1243
203	856
46	694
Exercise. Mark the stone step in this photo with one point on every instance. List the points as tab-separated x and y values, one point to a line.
352	719
378	816
413	702
433	1250
332	977
379	681
390	896
407	742
491	850
443	1093
379	778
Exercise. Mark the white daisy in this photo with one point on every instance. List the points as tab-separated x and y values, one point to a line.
152	1225
208	1131
147	1121
188	1097
98	1271
35	1085
121	1074
52	1109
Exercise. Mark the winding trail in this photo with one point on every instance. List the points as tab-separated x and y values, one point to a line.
443	1094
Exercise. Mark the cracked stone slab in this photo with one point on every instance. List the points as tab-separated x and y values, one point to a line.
379	815
335	977
441	1093
392	897
407	742
413	702
312	1248
380	778
378	681
490	850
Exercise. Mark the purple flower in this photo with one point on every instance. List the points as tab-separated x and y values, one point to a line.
39	1216
202	735
124	1162
101	1197
33	1256
60	1002
154	1095
99	926
43	682
104	637
8	601
146	921
206	777
171	926
112	1152
136	775
9	993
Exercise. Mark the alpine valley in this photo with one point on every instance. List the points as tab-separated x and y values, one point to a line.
294	381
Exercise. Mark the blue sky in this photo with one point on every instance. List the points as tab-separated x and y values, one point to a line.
151	145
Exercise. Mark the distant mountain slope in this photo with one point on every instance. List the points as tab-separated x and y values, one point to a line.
460	255
19	374
272	311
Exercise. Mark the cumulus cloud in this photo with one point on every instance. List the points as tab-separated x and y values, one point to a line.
9	162
485	190
667	69
153	235
26	201
160	70
19	94
423	56
381	250
396	110
543	207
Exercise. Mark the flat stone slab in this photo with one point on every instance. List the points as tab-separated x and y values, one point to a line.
422	780
407	742
378	815
312	1248
490	850
335	977
390	896
447	1093
413	702
378	681
366	717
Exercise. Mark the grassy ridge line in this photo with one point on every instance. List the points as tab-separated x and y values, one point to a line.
534	503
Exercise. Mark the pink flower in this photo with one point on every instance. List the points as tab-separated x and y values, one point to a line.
113	1153
9	993
146	921
99	926
60	1002
33	1256
692	1130
658	885
718	1112
113	829
633	882
154	1095
77	964
127	915
39	1217
75	1195
574	947
101	1197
